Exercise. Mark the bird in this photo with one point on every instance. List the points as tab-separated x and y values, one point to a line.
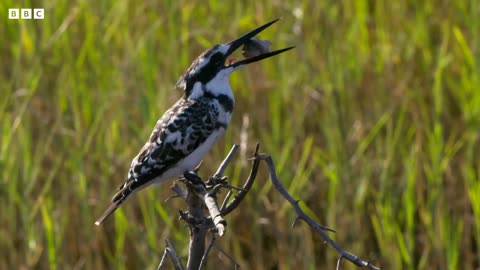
189	129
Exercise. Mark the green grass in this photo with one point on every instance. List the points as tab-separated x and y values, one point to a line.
373	122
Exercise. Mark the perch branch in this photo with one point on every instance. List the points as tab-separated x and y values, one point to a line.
199	194
195	220
209	198
318	228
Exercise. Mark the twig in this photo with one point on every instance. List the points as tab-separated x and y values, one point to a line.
180	192
162	261
225	201
237	266
173	257
339	261
205	255
223	166
318	228
246	187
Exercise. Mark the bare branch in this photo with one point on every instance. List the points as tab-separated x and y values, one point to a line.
223	166
339	261
225	200
218	220
318	228
205	255
237	266
195	220
211	244
180	191
173	257
246	187
200	194
162	261
209	199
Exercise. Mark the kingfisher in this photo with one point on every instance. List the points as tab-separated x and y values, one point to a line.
187	131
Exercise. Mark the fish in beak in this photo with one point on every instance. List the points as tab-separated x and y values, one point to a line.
254	49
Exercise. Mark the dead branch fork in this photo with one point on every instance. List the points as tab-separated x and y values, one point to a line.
200	194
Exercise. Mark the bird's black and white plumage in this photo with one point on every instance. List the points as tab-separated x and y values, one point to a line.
184	134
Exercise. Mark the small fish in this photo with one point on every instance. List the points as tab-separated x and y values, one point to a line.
255	47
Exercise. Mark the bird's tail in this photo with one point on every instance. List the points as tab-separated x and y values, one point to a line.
107	213
117	200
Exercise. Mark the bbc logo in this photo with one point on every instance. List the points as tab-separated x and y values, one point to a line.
26	13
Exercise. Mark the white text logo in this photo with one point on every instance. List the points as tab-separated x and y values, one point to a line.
26	13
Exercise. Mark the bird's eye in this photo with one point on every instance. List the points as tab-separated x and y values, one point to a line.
217	59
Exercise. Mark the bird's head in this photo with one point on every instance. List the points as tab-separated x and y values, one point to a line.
210	69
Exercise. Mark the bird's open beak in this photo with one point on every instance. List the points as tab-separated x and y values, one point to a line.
246	38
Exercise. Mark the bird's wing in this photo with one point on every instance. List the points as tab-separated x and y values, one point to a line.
177	134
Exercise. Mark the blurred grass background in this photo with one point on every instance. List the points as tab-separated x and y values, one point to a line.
373	121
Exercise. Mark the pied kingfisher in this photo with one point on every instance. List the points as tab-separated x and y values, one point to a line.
185	132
